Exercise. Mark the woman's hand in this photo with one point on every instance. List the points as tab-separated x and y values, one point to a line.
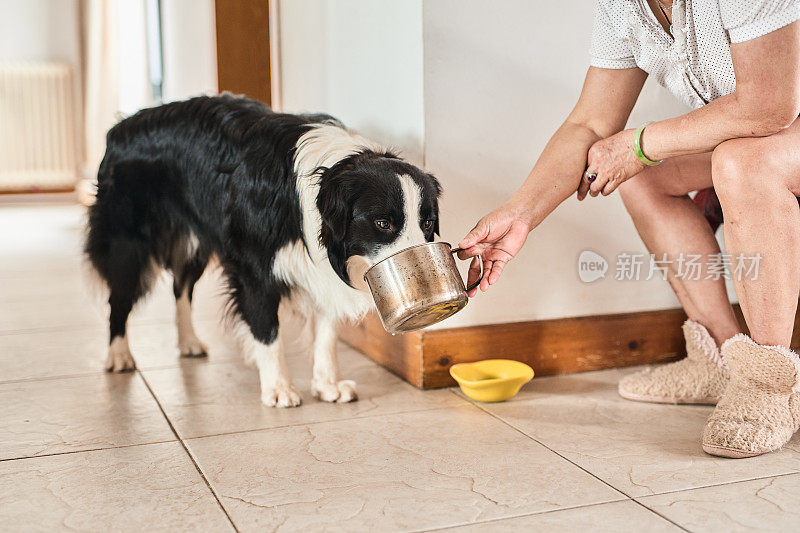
613	161
497	238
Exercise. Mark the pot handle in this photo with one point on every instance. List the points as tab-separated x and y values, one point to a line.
480	260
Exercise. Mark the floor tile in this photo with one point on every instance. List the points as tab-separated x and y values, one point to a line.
156	345
408	471
65	311
40	239
638	448
769	504
72	308
42	354
611	517
71	351
141	488
80	413
226	397
56	283
88	309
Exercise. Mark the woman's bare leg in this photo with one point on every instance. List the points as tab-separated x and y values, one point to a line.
757	181
670	223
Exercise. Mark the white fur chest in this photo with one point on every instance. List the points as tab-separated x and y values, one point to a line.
312	274
310	270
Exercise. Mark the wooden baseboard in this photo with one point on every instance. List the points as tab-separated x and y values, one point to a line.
558	346
37	190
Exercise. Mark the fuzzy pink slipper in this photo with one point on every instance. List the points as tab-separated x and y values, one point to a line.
699	378
760	410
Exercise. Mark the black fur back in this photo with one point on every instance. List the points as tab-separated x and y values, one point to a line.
216	168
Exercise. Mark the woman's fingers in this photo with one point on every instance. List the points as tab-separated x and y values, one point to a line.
491	274
597	185
473	274
497	269
583	186
476	235
466	253
609	188
487	266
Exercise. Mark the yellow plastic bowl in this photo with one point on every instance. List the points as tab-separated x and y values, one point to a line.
492	380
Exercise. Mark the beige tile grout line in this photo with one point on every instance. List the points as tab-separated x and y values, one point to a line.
188	453
573	463
241	431
79	326
523	515
332	421
71	452
676	491
85	326
100	372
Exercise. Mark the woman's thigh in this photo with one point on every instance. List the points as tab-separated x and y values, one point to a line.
676	176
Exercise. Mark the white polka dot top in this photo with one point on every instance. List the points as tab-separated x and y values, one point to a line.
695	63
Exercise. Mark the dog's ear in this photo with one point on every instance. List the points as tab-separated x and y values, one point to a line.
435	189
334	202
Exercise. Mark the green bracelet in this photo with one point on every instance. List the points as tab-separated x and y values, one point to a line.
637	147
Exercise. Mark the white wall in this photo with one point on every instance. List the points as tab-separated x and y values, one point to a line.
478	88
133	81
44	30
358	60
189	48
499	80
39	30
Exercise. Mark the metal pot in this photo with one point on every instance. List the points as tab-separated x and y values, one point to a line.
418	286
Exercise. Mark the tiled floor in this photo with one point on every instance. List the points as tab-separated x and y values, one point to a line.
186	444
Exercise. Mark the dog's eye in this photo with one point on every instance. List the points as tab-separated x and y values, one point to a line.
383	224
427	225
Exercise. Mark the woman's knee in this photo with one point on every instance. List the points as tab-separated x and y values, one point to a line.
742	167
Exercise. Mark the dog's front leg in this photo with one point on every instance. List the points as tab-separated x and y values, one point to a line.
325	384
276	383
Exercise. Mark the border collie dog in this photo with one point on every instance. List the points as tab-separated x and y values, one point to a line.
287	203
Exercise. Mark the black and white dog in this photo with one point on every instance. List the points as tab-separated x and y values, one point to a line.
285	202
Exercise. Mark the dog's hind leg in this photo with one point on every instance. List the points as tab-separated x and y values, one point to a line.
119	353
325	384
128	276
183	288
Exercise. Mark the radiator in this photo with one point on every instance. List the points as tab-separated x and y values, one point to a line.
38	126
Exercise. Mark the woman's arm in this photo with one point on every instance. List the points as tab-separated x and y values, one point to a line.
602	109
766	100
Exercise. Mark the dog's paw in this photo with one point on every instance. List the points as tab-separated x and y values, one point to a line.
119	357
331	391
192	347
281	396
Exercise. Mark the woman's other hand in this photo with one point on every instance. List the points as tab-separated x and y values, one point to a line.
613	161
497	238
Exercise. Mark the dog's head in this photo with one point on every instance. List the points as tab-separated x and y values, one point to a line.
373	205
